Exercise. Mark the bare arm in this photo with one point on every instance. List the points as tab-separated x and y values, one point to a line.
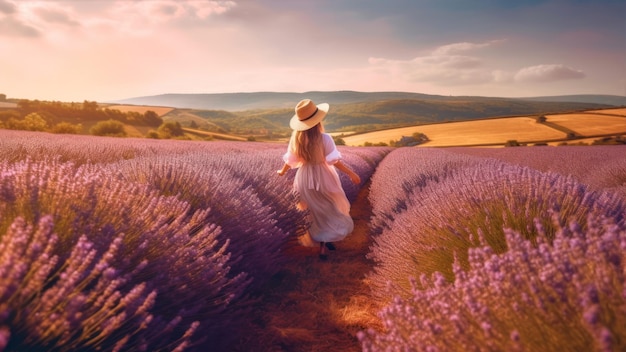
283	170
345	169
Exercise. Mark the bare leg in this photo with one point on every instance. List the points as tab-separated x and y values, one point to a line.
323	255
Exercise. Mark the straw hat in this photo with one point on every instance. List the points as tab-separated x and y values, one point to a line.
308	115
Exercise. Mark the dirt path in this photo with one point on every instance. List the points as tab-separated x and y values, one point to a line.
315	305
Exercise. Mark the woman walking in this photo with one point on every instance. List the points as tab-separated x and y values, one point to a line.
317	183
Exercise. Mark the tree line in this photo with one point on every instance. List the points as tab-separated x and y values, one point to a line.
60	117
86	111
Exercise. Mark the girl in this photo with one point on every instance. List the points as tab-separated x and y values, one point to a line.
317	183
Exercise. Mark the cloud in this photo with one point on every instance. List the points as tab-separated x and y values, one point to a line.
157	12
464	46
548	73
7	7
33	18
56	15
205	9
12	27
443	66
135	18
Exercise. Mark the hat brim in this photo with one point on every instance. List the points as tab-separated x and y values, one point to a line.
298	125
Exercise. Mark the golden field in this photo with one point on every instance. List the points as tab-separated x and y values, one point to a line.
616	111
497	131
467	133
590	124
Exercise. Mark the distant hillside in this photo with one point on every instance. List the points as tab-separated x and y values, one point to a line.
405	112
615	100
277	100
371	116
264	100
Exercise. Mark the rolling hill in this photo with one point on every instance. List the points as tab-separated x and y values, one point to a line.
273	100
584	98
555	129
371	115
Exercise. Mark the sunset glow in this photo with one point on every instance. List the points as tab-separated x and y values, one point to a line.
108	50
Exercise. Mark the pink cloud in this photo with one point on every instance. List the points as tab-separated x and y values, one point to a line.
464	46
7	7
548	73
443	66
12	27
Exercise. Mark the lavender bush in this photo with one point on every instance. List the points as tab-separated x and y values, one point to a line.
405	171
600	167
564	295
170	248
364	162
188	231
85	303
449	216
249	227
508	257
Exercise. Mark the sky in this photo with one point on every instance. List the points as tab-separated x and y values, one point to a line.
97	50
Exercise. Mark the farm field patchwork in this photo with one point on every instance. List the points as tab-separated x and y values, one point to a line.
617	111
590	124
466	133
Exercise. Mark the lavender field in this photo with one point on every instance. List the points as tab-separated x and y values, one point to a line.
519	249
135	244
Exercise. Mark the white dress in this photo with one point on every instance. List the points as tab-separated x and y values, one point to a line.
319	188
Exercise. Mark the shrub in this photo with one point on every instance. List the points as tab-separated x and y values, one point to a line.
110	128
170	130
339	141
67	128
153	134
31	122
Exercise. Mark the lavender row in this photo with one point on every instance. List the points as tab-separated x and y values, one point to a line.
196	229
82	149
433	216
449	216
567	294
408	170
364	162
600	167
118	247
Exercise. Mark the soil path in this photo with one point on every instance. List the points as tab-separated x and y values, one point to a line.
314	305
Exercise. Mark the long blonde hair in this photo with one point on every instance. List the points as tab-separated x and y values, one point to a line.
308	144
